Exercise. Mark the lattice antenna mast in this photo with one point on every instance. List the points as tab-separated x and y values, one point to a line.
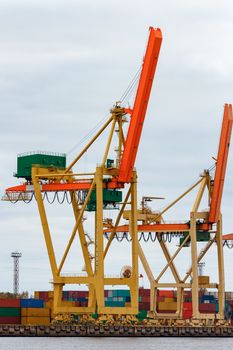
16	255
201	266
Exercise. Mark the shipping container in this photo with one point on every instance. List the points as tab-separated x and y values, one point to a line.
9	311
168	300
187	306
187	314
31	303
114	304
10	319
68	303
35	312
144	292
44	296
159	298
110	293
163	306
35	320
209	298
9	302
144	306
145	298
37	295
207	308
166	293
49	304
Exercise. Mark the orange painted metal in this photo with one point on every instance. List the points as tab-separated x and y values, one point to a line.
54	187
162	228
219	178
228	237
140	105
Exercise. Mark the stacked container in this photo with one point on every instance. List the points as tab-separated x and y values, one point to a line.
144	299
10	311
33	312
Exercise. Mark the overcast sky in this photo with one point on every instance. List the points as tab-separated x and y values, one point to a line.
63	64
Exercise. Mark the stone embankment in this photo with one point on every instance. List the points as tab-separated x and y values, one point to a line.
112	331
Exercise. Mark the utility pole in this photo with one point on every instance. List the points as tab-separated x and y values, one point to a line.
16	255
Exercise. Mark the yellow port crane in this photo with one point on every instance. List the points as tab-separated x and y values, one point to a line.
99	189
103	188
202	226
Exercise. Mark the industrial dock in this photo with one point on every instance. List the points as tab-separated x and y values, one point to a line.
187	304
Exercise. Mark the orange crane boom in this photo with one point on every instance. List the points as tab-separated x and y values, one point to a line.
219	177
140	105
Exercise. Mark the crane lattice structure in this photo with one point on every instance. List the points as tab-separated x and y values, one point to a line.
16	255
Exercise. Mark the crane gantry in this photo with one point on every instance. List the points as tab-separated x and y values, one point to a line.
105	187
101	188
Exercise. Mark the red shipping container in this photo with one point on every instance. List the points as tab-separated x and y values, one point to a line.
44	296
144	306
159	298
144	292
10	320
207	308
187	314
106	293
83	294
166	293
9	302
187	306
188	294
145	299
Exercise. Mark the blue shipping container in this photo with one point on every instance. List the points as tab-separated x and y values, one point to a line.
30	303
209	298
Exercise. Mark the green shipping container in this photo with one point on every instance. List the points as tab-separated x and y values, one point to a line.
9	311
43	159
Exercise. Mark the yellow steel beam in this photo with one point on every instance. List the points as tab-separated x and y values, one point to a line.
88	145
44	221
177	200
117	281
172	285
195	286
134	234
74	279
199	195
221	275
109	142
99	243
